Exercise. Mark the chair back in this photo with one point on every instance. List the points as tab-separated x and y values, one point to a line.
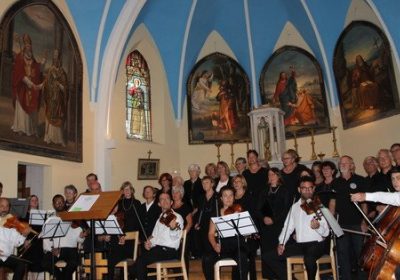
183	246
133	235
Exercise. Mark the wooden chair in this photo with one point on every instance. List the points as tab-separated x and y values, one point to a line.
295	260
132	235
222	263
162	267
101	265
299	260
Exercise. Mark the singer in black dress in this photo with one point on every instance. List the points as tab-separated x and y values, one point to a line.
272	208
127	210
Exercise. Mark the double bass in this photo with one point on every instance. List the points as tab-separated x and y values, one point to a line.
381	253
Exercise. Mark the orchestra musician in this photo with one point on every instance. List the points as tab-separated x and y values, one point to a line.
32	251
310	234
227	247
245	200
384	197
61	248
10	239
164	242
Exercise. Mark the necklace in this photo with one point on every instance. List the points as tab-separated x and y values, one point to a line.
123	204
273	191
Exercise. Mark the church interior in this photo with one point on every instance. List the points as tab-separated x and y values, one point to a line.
173	37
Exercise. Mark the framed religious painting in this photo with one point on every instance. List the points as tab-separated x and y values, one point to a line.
364	75
292	81
148	169
40	82
218	101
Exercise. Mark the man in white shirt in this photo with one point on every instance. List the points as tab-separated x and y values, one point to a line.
62	248
164	242
383	197
9	240
310	235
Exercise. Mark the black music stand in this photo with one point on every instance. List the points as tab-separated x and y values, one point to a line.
54	229
108	227
39	217
237	224
335	230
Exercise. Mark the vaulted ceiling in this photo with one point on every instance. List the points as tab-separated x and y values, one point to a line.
251	28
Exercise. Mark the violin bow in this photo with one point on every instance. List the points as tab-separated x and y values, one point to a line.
140	222
369	222
290	213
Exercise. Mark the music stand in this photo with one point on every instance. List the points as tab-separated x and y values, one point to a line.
335	229
109	226
54	228
38	217
101	205
237	224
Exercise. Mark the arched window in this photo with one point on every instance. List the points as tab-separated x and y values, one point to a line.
138	106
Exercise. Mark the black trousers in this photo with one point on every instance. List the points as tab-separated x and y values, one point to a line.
16	265
311	251
118	253
155	254
69	255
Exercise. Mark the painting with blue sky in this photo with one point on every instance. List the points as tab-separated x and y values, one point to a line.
292	81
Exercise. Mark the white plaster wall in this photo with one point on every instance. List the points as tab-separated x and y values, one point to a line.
165	145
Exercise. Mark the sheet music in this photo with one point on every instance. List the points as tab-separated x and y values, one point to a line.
84	203
38	217
109	226
226	224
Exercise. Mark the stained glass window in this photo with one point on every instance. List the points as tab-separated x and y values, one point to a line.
138	106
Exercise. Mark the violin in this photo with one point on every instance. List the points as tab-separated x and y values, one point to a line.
21	227
312	206
234	208
167	217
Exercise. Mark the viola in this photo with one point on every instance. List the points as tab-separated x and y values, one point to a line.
21	227
167	217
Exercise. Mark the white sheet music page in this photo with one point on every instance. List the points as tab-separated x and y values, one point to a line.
84	203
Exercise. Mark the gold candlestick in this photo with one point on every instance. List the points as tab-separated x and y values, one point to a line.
218	152
313	154
296	146
321	156
334	140
232	157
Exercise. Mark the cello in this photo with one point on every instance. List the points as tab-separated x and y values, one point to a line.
381	253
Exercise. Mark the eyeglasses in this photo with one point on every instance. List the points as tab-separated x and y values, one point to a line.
306	188
286	158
